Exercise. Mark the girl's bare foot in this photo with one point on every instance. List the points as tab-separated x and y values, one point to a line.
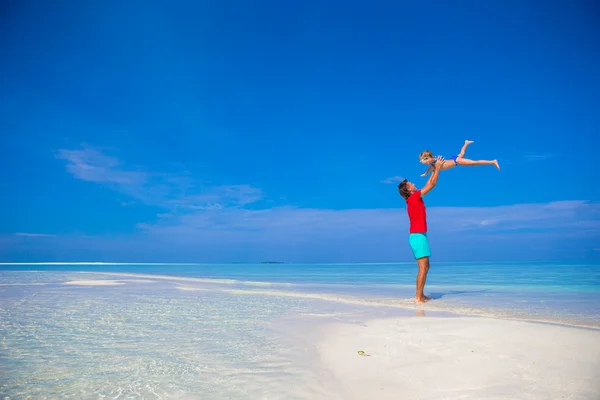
496	164
468	141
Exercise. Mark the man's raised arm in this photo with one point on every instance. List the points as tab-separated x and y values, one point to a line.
434	176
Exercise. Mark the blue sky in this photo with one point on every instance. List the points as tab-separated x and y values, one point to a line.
251	131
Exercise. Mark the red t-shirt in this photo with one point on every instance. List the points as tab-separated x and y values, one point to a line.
416	213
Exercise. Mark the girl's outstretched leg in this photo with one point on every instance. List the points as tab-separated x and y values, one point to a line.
465	162
464	148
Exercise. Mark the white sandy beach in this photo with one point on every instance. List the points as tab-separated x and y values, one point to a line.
461	358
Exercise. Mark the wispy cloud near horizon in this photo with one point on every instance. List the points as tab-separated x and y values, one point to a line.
285	221
528	231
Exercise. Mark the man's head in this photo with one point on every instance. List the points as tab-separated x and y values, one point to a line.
406	188
426	157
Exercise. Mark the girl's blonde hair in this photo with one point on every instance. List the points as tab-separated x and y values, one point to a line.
426	154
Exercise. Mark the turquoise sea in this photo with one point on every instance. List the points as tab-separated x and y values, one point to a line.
238	330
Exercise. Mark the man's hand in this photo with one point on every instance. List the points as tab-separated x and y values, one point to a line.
439	162
433	178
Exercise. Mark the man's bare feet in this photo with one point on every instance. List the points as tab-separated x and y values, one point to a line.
421	299
469	141
496	164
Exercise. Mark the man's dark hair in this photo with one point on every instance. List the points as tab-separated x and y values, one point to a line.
403	189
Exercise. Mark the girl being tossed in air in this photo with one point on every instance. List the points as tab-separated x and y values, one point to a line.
427	158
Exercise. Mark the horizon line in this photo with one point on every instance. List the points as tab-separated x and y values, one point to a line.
276	263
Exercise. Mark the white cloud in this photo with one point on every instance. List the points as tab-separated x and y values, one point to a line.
175	191
393	180
219	197
286	223
92	165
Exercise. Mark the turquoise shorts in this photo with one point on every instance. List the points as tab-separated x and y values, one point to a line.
419	245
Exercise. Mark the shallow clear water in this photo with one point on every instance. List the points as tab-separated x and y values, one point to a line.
145	340
166	332
559	292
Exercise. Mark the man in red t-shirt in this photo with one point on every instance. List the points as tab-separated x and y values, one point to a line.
417	215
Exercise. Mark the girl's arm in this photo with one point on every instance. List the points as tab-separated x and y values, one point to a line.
428	170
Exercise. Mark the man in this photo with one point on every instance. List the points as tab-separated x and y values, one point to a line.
418	226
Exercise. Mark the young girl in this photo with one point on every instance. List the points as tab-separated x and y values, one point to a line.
427	157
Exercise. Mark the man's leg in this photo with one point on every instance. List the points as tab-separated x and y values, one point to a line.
420	247
423	264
